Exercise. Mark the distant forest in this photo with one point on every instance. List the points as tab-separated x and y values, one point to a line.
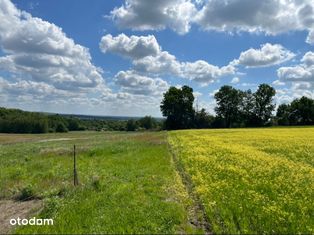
18	121
235	108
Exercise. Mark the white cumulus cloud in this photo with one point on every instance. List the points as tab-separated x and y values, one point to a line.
162	63
204	73
267	55
42	52
155	15
301	76
134	83
157	62
267	16
134	47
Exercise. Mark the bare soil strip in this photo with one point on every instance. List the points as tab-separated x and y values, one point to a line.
12	210
197	214
58	139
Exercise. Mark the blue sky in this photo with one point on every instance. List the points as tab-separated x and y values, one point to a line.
119	57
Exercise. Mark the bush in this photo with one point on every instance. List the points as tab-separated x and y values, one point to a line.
147	122
61	127
131	125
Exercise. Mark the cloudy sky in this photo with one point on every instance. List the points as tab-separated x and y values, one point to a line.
117	57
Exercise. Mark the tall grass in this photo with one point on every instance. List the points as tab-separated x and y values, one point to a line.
128	183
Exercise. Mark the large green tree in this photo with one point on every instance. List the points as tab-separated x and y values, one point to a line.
228	101
202	119
284	114
177	106
247	108
302	111
263	104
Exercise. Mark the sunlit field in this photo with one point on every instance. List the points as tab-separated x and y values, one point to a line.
127	183
191	181
251	180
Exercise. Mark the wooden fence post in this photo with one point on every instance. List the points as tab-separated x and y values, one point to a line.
74	167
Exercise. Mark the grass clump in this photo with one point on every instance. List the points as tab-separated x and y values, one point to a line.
26	193
96	183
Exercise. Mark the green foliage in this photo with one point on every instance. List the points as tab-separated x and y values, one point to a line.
61	127
263	104
244	108
18	121
148	123
235	108
284	115
299	112
203	120
131	125
73	124
102	125
177	106
228	104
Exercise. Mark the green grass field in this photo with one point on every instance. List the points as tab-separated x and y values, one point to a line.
128	183
239	180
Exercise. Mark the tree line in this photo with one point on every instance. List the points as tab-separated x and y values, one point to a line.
235	108
298	112
18	121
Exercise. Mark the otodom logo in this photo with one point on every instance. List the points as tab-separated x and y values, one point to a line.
32	221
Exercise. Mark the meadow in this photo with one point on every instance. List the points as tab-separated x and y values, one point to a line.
191	181
127	182
251	180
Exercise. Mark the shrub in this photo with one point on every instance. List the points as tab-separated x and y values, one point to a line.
61	127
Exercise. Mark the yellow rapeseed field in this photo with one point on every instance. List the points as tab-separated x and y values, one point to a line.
251	180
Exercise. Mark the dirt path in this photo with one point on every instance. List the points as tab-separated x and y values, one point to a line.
16	138
197	215
12	210
59	139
